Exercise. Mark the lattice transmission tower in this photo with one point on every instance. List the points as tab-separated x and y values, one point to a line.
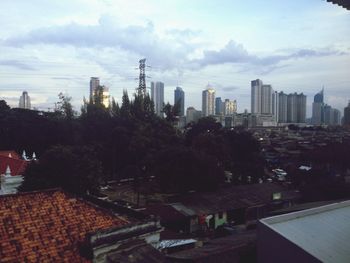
142	78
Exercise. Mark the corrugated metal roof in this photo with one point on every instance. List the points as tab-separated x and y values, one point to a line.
323	232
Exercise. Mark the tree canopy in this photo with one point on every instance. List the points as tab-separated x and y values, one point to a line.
80	152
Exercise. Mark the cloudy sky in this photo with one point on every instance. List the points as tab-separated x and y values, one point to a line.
47	47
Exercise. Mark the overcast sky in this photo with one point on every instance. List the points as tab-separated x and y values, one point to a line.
47	47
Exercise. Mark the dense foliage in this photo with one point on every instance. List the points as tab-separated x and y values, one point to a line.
80	152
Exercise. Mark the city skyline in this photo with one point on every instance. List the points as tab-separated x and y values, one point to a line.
62	45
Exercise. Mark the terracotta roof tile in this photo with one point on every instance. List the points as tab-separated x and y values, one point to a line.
47	226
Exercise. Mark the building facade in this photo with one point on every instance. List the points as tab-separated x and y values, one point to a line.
318	109
24	101
296	108
282	107
347	115
219	106
208	102
263	98
96	90
157	95
192	115
94	84
230	107
179	97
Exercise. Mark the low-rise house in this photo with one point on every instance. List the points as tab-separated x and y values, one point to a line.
242	204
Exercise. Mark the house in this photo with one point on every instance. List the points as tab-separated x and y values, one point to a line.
242	204
318	234
174	217
56	226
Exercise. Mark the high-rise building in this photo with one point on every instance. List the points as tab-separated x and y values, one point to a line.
219	106
275	105
208	102
256	87
266	97
24	101
94	84
192	115
282	107
157	95
317	109
347	115
331	115
336	117
261	98
301	108
179	97
292	108
105	96
230	107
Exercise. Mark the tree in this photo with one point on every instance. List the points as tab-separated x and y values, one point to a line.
64	106
171	112
115	110
180	169
3	106
125	109
75	169
204	125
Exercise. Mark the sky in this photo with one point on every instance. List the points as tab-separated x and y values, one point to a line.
48	47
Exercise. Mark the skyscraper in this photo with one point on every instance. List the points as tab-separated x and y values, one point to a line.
282	107
157	95
292	108
230	107
347	115
208	101
331	115
301	108
261	98
275	105
256	87
24	101
98	91
336	117
94	84
317	109
179	97
219	108
105	96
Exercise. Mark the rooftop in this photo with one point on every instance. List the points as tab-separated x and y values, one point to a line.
49	226
234	197
17	166
323	232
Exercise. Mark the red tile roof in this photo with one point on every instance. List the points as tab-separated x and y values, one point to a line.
47	226
17	166
11	154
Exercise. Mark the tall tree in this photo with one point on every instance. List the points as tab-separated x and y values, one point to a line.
115	110
125	109
64	106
